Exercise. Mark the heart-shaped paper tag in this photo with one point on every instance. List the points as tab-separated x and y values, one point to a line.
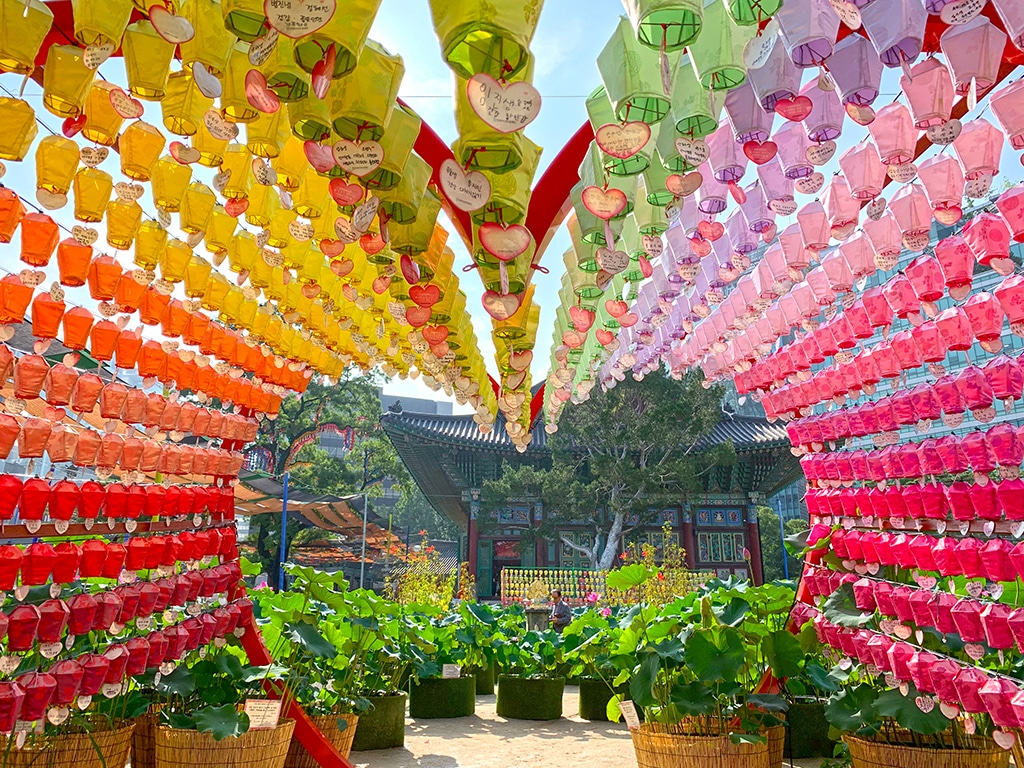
945	133
684	186
261	48
623	140
182	153
302	231
362	217
604	203
93	156
219	128
505	108
819	154
466	191
425	295
794	109
521	359
611	261
760	152
84	235
581	318
372	243
342	192
125	105
345	231
94	55
809	185
320	156
358	158
504	243
173	29
500	306
298	18
259	96
693	151
341	267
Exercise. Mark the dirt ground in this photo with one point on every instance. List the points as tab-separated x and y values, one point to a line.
488	741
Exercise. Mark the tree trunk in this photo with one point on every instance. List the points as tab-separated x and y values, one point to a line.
611	547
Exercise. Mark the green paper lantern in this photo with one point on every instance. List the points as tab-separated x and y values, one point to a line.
629	242
361	103
650	217
654	179
346	31
414	237
747	12
583	283
480	147
717	54
674	23
591	227
694	112
244	18
485	36
599	109
671	160
631	74
510	192
398	141
402	203
518	271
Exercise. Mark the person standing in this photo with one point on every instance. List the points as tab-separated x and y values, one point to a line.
561	613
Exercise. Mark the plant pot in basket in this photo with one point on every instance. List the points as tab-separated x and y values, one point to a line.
485	680
875	754
143	749
262	748
382	726
594	697
330	726
438	697
97	749
661	746
807	734
530	698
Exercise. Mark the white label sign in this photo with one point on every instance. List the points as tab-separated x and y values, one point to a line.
628	710
451	670
263	713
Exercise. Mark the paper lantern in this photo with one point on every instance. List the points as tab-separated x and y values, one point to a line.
147	61
943	181
793	145
18	126
402	203
39	237
748	120
896	29
12	211
717	53
778	78
92	189
73	262
362	102
814	227
264	202
267	134
197	206
978	147
692	111
123	222
893	133
219	230
929	93
150	242
46	316
243	18
98	22
398	141
809	29
910	208
103	339
310	119
237	162
988	237
974	52
140	146
957	263
1008	107
865	174
825	121
170	180
284	75
14	299
56	163
102	122
23	28
66	81
183	107
478	37
235	104
856	70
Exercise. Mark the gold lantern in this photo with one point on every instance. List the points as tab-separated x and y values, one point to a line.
310	119
123	221
92	193
260	272
211	150
398	141
102	123
174	260
232	306
278	228
402	202
196	208
18	127
217	288
219	232
184	105
23	28
237	161
244	18
150	243
510	192
140	145
197	273
284	75
290	165
345	31
480	147
147	61
212	44
234	103
263	203
266	135
243	252
308	199
66	81
170	180
362	103
98	22
323	225
56	163
415	236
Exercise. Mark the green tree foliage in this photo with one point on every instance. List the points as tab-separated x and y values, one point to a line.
627	451
772	549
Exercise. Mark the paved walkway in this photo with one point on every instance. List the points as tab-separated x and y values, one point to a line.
488	741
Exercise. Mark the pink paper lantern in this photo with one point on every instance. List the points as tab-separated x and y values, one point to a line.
955	329
894	134
859	254
839	273
943	181
792	245
776	187
1011	13
988	237
997	695
712	195
974	51
840	207
886	239
748	120
1011	206
929	93
1008	107
791	139
758	216
856	70
742	239
1010	294
986	318
778	78
809	29
825	121
957	264
925	277
864	171
913	214
725	155
896	29
814	226
978	147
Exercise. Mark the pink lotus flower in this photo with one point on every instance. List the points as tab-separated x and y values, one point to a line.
593	597
606	611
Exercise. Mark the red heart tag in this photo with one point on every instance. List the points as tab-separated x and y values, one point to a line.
581	318
616	308
795	109
235	207
343	193
72	126
760	152
381	284
330	247
323	71
418	316
645	266
341	267
410	270
435	334
259	95
372	243
425	295
320	157
604	336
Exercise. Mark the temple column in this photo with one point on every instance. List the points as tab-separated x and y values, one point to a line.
474	536
754	545
688	537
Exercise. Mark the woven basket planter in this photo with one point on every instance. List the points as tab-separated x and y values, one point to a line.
98	749
442	697
383	725
807	734
659	746
530	698
298	757
875	754
144	740
776	745
264	748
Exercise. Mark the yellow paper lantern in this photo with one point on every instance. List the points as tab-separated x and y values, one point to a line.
123	221
237	161
267	135
263	204
219	231
23	28
102	123
211	150
243	252
217	288
233	305
310	119
170	180
197	273
92	188
510	192
480	147
150	243
140	145
212	44
66	81
415	236
485	36
398	141
147	60
290	165
361	103
260	273
402	202
234	104
98	22
323	225
284	75
312	266
196	208
309	199
184	105
18	128
278	229
244	18
345	31
56	163
174	260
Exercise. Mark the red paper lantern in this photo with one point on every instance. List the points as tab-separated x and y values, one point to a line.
94	667
94	554
23	622
53	618
86	393
10	429
114	563
149	594
138	552
93	498
29	374
82	610
157	649
64	499
37	564
130	596
68	674
65	569
138	656
39	689
108	608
